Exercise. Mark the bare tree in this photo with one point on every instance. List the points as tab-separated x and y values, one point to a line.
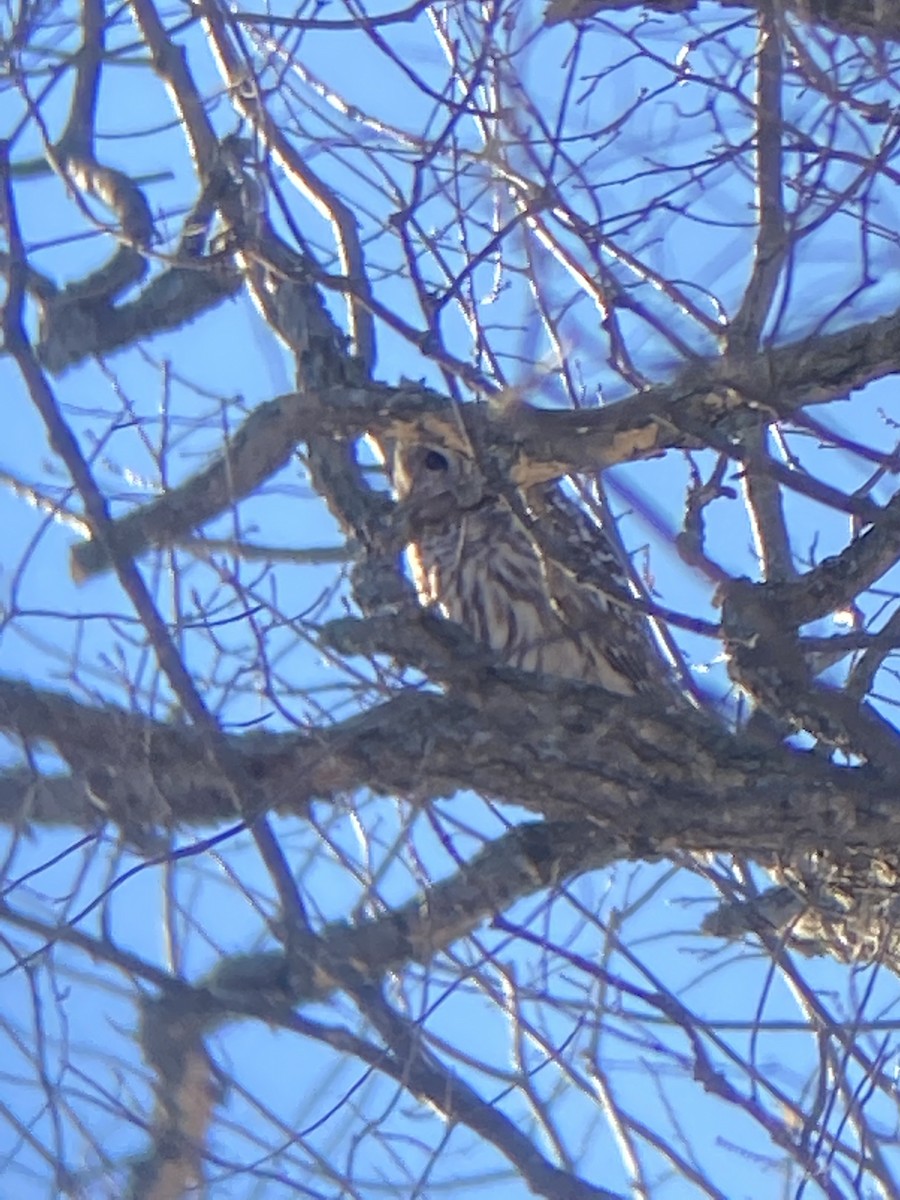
309	890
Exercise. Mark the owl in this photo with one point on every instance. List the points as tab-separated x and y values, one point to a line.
528	574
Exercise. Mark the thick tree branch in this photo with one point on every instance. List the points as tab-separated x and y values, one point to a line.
528	444
527	859
869	18
651	780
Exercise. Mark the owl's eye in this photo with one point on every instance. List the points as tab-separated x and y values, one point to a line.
435	461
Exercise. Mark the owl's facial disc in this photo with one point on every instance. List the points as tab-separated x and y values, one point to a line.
437	484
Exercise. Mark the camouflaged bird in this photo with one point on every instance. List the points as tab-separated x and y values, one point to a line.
529	575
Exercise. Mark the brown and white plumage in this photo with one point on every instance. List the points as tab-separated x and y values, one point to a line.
529	574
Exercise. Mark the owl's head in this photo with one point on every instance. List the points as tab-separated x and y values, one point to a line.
435	479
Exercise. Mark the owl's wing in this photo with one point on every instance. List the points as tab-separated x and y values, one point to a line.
581	543
590	587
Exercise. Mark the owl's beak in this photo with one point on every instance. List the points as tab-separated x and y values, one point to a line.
418	513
